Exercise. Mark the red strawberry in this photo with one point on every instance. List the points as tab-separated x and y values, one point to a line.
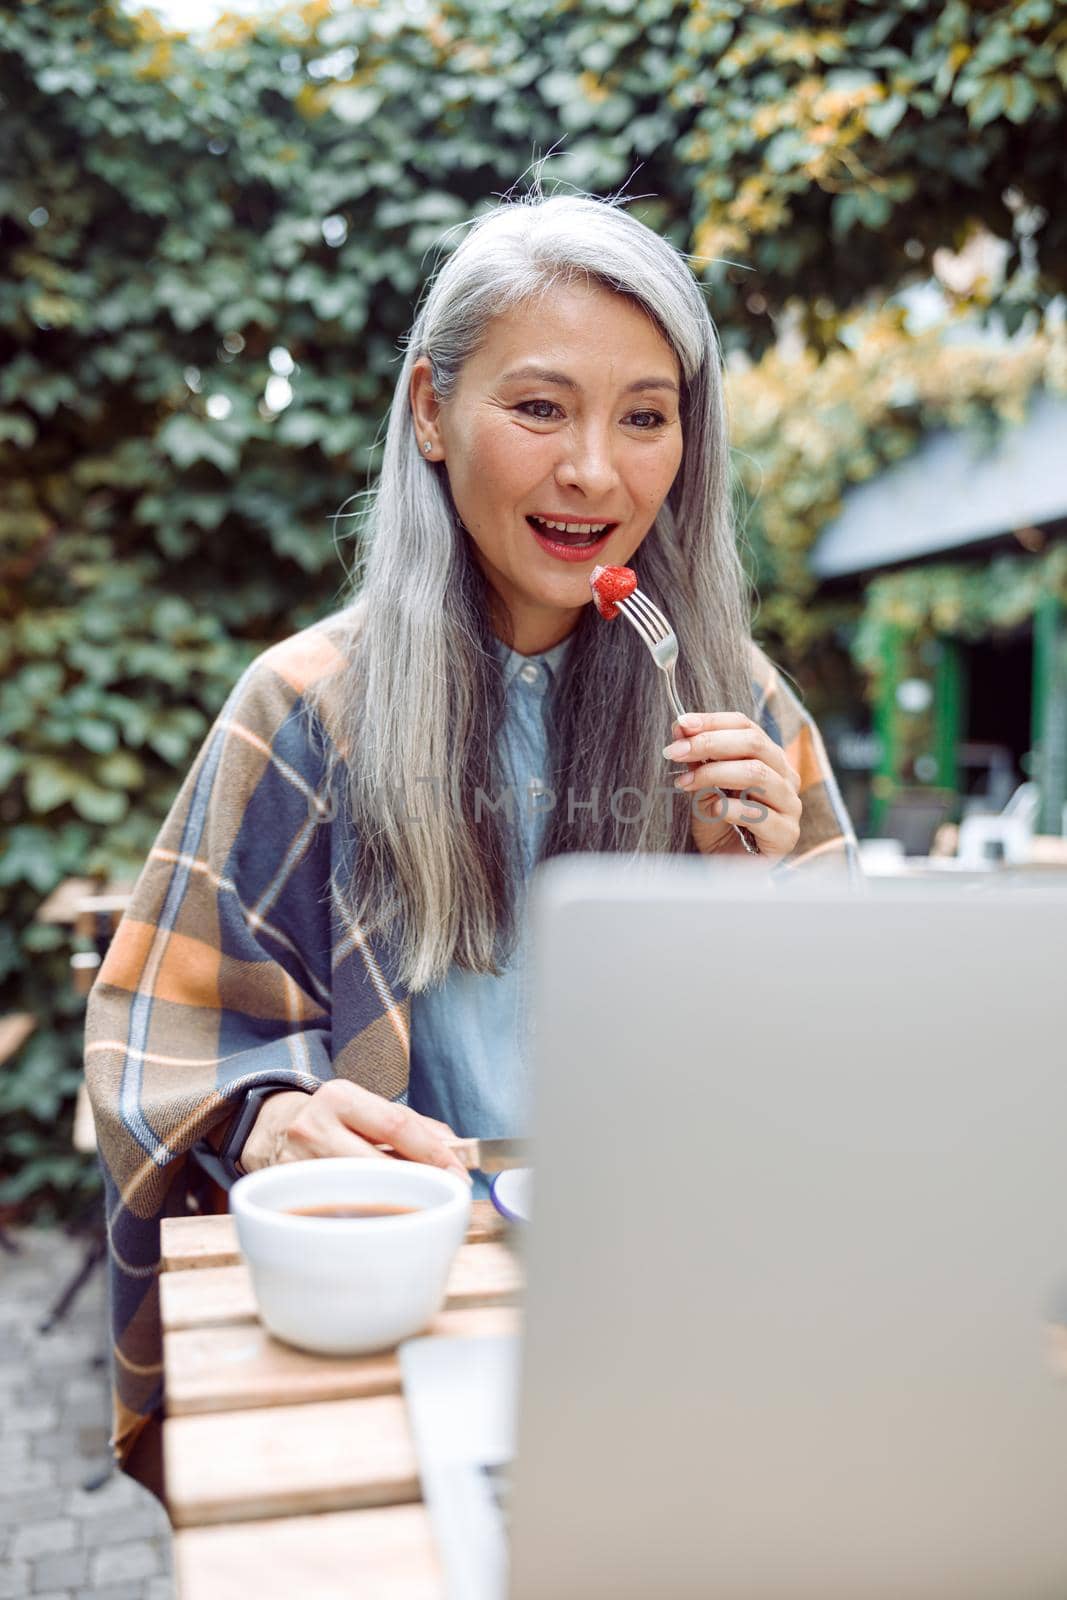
610	584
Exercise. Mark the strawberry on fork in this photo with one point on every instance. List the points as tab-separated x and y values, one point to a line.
614	590
610	584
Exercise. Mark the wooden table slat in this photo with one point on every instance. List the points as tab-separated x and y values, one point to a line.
207	1299
189	1242
291	1473
241	1366
482	1274
334	1455
341	1555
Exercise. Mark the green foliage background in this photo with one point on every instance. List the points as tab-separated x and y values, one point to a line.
162	210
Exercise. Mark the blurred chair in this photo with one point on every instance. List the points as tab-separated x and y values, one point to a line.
995	765
1025	803
14	1031
93	912
1006	835
997	838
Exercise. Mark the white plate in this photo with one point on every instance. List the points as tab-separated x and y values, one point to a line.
512	1193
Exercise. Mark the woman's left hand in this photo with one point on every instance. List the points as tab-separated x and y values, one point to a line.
728	751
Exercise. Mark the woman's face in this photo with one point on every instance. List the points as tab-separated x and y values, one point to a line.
567	412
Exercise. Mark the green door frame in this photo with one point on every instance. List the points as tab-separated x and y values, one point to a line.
950	695
1048	721
887	727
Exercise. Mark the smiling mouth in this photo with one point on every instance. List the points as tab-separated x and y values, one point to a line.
573	533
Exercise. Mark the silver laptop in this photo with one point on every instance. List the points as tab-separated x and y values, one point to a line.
797	1271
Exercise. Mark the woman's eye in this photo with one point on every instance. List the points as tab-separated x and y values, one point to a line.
539	416
543	410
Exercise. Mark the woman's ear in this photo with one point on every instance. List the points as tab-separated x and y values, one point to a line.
425	410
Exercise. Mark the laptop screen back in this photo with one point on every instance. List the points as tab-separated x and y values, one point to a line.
799	1246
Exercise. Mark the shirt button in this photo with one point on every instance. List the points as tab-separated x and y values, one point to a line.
529	673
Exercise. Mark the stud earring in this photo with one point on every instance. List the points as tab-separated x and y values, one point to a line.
427	447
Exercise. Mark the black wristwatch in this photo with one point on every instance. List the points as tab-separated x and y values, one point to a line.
224	1164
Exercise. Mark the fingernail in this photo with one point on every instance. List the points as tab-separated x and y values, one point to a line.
684	781
679	748
689	723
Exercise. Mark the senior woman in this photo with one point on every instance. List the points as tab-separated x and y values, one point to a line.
324	952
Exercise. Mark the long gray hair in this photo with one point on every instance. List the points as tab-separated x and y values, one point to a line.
423	695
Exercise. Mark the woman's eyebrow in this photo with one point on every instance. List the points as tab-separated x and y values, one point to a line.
549	375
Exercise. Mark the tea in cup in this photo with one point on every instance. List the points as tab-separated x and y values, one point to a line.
349	1255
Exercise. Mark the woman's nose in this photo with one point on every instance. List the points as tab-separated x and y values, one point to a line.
587	463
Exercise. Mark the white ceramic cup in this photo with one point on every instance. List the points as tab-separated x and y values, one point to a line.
349	1285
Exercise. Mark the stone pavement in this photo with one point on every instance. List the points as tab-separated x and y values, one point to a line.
59	1541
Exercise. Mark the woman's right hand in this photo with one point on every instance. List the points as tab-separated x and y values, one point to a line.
342	1119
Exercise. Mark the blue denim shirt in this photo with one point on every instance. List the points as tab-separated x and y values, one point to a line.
468	1034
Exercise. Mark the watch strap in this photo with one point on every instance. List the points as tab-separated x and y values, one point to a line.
223	1165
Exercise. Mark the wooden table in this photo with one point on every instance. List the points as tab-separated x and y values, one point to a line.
294	1474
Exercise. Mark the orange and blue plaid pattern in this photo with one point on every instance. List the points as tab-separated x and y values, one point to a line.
234	966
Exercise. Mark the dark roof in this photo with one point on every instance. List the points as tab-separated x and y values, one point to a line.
954	491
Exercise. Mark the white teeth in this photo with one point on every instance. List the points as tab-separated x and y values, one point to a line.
573	527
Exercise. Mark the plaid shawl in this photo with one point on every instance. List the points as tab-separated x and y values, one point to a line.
233	966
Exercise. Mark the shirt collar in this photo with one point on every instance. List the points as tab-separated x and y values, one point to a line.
550	661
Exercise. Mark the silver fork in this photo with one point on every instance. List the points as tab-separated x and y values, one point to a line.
659	637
